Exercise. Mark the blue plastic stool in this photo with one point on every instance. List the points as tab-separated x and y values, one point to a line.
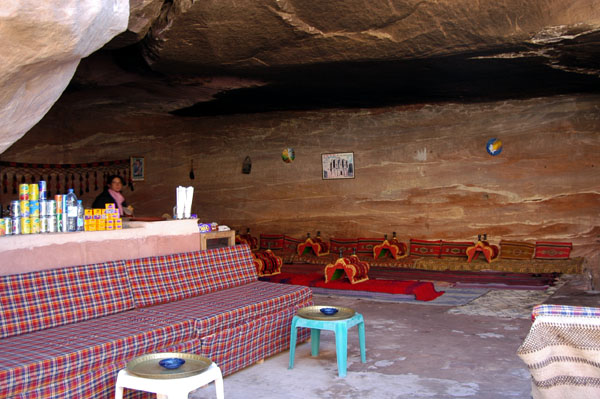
340	327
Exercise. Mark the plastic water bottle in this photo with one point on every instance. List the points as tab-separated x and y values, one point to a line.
79	215
71	210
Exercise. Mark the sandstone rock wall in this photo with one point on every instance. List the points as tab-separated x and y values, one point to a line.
421	170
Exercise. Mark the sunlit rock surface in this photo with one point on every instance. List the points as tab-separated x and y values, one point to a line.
42	45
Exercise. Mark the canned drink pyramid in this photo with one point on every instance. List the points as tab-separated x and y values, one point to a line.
34	192
43	190
24	191
24	207
15	208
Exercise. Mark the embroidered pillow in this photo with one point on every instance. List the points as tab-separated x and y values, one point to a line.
348	246
455	249
365	246
516	250
274	242
552	250
425	248
290	244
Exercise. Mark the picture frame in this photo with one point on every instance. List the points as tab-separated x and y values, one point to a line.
138	168
338	165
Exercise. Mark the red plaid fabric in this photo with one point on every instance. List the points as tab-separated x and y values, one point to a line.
564	310
235	348
235	306
49	298
159	279
41	360
227	267
97	384
166	278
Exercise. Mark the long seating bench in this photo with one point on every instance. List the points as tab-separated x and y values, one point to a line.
65	333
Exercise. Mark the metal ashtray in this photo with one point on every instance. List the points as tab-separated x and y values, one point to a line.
172	363
328	311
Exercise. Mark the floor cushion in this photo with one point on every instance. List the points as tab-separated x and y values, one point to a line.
516	250
552	250
455	249
427	248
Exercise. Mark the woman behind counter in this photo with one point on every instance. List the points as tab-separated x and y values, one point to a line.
112	195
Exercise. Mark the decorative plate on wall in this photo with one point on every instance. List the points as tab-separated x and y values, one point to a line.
494	146
288	155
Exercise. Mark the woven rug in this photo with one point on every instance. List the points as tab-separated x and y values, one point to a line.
422	291
451	297
510	304
569	266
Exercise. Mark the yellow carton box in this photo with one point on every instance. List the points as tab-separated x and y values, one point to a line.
88	212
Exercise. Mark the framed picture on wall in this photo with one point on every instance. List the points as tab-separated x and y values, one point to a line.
138	168
339	165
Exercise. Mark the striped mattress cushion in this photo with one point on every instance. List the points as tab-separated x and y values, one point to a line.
235	348
167	278
230	308
42	359
564	310
49	298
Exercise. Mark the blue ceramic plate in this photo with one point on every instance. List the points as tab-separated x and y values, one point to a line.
172	363
328	311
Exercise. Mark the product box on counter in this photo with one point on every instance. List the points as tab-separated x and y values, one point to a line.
98	219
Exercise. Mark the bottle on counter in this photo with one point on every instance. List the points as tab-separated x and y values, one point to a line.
80	213
71	210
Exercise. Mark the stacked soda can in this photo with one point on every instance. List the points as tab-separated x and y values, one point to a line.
34	208
48	216
58	200
15	217
31	213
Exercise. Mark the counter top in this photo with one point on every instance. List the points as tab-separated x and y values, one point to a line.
28	252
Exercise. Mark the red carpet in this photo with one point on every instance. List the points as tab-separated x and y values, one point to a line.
466	277
423	291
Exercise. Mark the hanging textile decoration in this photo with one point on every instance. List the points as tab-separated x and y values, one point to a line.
60	177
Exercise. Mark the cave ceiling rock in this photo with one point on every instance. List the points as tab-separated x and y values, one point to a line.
201	36
43	42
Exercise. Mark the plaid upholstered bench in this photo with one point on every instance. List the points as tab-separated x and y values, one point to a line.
65	333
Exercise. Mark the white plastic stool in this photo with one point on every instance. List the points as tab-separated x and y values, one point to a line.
172	388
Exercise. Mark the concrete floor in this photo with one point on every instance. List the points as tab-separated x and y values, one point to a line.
413	351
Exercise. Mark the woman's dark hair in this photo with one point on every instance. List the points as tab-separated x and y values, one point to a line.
112	177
